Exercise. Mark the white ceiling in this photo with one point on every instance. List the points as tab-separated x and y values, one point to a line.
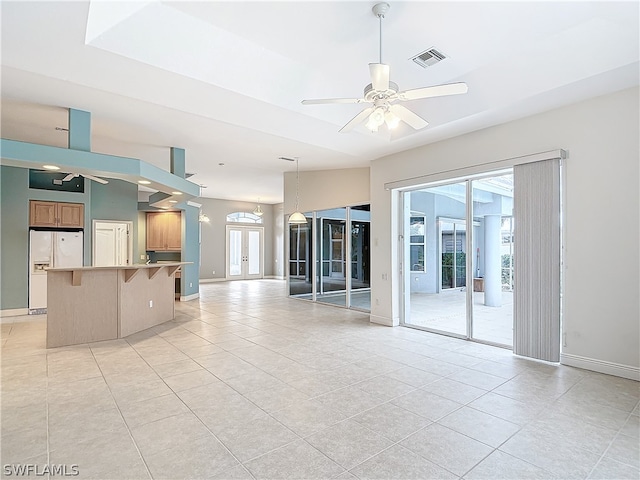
224	80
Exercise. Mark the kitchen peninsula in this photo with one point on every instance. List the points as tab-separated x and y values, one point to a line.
91	304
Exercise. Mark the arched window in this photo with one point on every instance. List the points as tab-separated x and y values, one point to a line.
243	217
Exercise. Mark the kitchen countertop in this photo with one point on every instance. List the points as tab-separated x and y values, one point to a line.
120	267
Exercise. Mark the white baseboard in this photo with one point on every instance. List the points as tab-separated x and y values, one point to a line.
386	321
14	312
213	280
186	298
600	366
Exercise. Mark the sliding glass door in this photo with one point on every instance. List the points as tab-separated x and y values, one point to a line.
360	293
329	257
493	278
458	244
300	261
435	240
331	280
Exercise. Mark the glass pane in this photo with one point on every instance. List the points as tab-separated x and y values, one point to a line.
416	229
360	261
254	252
417	258
460	254
235	252
493	268
245	217
299	251
435	252
331	281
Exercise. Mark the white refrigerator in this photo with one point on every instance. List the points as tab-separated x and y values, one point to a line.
50	249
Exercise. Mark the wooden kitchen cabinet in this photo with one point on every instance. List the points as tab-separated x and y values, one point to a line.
164	231
56	214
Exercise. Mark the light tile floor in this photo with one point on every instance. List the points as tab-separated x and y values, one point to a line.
446	312
247	383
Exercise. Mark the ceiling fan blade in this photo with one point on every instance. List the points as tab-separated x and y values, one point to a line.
96	179
322	101
435	91
357	120
69	177
379	76
408	116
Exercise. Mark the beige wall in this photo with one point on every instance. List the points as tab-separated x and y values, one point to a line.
602	207
324	189
213	236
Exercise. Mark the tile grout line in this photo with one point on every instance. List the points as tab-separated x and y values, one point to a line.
144	462
194	414
47	415
356	385
611	442
353	338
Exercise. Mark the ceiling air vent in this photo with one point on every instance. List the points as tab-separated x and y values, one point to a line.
429	57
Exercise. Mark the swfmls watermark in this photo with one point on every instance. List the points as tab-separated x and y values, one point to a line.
32	469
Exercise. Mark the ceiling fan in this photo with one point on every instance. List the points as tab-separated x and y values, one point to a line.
71	176
384	95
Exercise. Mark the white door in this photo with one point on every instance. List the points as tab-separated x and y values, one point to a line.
244	252
111	243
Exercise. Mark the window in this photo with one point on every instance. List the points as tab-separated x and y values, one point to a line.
417	243
243	217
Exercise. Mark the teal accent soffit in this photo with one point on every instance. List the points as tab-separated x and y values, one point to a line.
79	130
33	155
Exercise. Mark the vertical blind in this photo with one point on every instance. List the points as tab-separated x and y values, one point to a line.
536	329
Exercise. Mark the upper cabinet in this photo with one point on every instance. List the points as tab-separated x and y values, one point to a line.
56	214
164	231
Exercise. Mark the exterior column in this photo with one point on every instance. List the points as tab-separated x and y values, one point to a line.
492	261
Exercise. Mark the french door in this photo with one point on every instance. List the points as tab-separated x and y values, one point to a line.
245	252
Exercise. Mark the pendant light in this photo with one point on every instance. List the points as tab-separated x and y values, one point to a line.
258	210
297	218
203	217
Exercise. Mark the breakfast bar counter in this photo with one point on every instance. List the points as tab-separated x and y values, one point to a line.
91	304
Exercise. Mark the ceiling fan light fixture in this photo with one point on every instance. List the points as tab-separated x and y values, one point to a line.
391	119
383	93
371	125
376	119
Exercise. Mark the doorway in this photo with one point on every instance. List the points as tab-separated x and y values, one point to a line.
112	243
331	280
458	244
329	257
245	252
